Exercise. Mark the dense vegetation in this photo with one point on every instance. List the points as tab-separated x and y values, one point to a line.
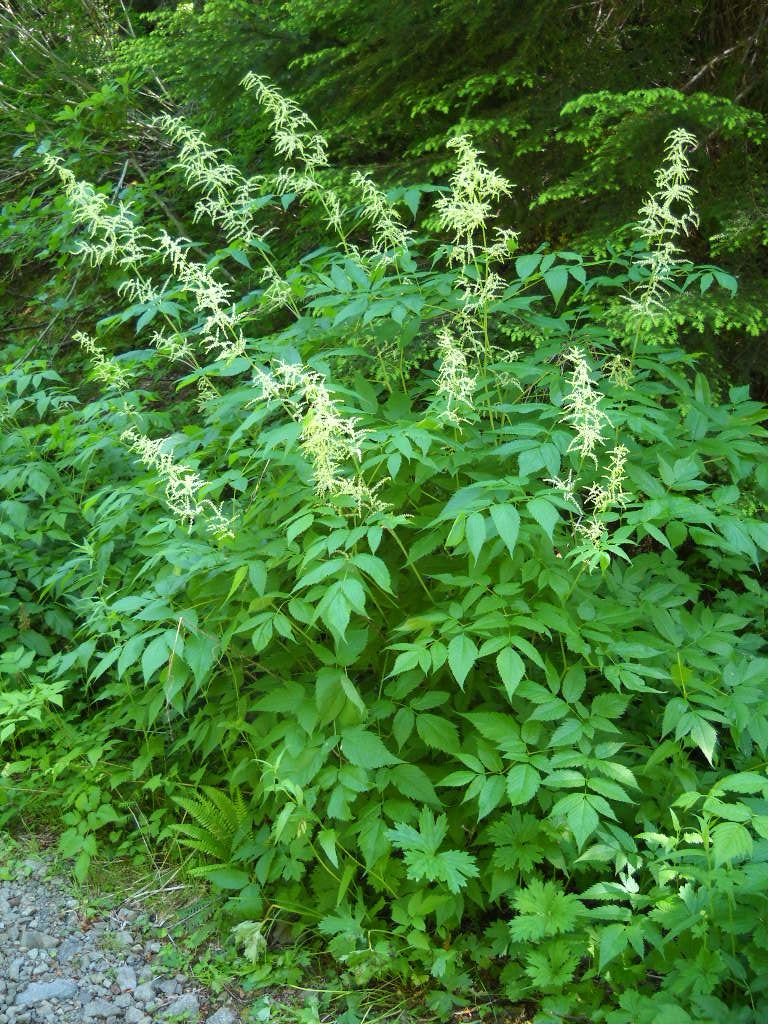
386	538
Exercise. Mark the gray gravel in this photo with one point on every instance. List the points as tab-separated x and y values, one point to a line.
57	969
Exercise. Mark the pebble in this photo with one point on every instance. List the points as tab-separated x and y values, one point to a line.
188	1005
100	1009
133	1015
56	968
39	991
126	978
222	1016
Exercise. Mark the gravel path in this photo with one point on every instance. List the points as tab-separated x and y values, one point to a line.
57	968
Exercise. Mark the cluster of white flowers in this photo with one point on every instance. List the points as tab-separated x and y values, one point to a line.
666	213
618	369
277	292
115	237
466	210
104	369
220	329
182	485
389	234
582	407
455	384
297	139
604	496
468	207
331	441
206	393
582	411
112	236
609	492
228	196
295	134
173	346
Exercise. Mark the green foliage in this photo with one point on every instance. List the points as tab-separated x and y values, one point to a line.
572	101
403	576
414	585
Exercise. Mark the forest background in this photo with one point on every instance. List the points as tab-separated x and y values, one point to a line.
383	503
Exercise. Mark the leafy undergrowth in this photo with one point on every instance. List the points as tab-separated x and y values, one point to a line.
414	590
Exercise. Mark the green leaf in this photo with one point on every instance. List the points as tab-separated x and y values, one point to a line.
375	568
330	696
437	732
475	534
613	941
335	609
462	655
365	749
543	910
299	526
545	514
580	814
704	736
227	878
240	573
523	782
511	669
155	654
507	522
414	783
490	795
327	840
526	265
556	280
731	841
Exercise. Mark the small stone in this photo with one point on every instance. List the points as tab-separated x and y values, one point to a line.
40	990
222	1016
186	1004
133	1015
126	978
69	950
144	993
100	1009
122	939
32	939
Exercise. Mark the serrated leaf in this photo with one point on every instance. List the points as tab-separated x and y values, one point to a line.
545	514
437	732
365	749
613	941
523	782
462	655
227	878
414	783
511	669
526	265
155	654
731	841
475	534
507	522
556	279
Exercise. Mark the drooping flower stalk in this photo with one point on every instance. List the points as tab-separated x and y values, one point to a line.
182	484
105	369
331	441
389	235
228	196
297	139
